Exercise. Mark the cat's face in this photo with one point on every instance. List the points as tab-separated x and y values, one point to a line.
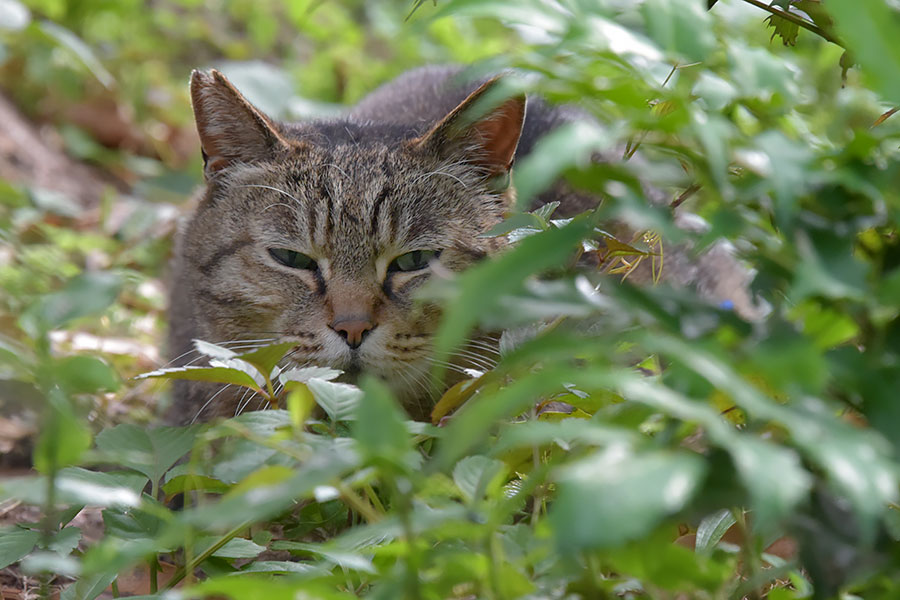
323	239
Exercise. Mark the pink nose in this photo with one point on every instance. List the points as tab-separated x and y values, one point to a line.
353	329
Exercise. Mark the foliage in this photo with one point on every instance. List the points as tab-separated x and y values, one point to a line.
612	422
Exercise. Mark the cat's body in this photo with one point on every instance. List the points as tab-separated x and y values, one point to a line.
318	233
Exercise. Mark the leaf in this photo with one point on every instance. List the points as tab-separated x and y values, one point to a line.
681	27
63	438
15	543
76	485
379	425
267	357
65	540
88	587
304	374
74	44
455	397
786	30
338	400
347	560
567	146
711	530
211	374
14	16
619	494
233	548
477	476
148	451
481	287
86	294
870	30
85	375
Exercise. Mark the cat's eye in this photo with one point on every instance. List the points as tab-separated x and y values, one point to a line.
294	260
413	261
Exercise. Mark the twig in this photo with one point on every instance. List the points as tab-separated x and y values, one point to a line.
797	20
690	191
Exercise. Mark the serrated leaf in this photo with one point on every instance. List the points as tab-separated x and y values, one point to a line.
338	400
786	30
65	540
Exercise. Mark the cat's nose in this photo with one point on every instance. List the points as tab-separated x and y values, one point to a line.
353	329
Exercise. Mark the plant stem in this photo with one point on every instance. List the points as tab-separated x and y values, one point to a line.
356	503
189	566
797	20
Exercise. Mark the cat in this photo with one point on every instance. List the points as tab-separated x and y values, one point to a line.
320	232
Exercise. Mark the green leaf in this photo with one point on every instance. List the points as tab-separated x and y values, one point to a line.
63	438
477	476
871	30
74	44
87	294
148	451
233	548
680	27
618	494
267	357
567	146
379	426
711	530
85	375
88	587
338	400
15	543
481	287
211	374
65	540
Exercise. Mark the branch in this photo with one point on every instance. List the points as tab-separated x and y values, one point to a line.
797	20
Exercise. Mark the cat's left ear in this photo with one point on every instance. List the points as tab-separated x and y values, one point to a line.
485	128
231	129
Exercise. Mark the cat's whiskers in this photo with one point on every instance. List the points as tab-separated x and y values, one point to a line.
205	404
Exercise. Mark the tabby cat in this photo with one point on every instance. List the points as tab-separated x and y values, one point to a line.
320	232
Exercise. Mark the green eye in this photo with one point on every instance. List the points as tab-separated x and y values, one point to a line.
413	261
294	260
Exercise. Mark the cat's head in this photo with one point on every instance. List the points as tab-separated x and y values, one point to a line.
320	233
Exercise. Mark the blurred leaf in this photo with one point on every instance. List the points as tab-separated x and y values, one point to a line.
74	44
617	495
711	530
379	425
85	375
148	451
681	27
87	294
870	30
13	15
476	476
15	543
567	146
63	438
481	287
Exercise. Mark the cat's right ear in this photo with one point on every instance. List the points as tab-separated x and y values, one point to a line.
231	129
